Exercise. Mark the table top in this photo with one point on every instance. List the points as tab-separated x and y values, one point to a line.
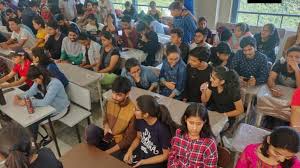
164	39
86	156
20	114
78	75
134	53
176	107
286	97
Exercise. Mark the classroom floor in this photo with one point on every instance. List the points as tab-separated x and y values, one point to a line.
67	136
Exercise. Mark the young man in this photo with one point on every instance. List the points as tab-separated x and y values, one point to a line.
202	24
198	72
221	55
140	76
54	41
186	23
118	124
129	38
65	25
68	9
71	49
176	39
20	37
251	65
200	39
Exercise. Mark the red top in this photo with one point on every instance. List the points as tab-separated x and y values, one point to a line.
296	98
189	153
133	36
22	72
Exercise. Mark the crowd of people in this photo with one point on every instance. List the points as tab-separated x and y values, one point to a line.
203	69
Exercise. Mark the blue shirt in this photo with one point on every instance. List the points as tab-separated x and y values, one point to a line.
256	67
187	25
176	74
55	96
148	77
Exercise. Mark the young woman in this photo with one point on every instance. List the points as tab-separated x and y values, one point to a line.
194	144
241	30
278	150
39	58
39	25
46	13
151	147
109	59
173	73
22	63
16	150
285	72
267	41
48	91
110	24
223	93
92	26
130	10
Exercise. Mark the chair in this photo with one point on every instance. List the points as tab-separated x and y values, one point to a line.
80	107
224	157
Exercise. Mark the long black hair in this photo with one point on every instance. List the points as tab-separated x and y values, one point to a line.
148	104
44	59
197	110
274	36
36	72
284	138
15	146
231	78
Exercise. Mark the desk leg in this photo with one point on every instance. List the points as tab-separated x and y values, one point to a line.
100	96
250	98
54	137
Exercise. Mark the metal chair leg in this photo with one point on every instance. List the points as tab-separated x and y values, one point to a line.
78	133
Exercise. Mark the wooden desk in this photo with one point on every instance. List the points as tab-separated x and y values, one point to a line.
86	156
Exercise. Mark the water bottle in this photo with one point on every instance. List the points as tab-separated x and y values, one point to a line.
29	105
2	98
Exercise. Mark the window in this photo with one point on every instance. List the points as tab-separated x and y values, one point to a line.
285	15
143	5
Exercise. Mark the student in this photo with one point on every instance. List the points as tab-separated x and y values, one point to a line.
172	74
28	14
89	8
68	9
46	13
92	26
129	36
186	23
202	24
39	25
176	39
153	11
54	41
118	121
278	150
224	34
22	63
200	39
140	76
106	7
198	72
155	128
91	52
71	49
130	10
223	93
267	41
147	43
251	65
221	55
154	25
17	151
295	110
241	30
110	24
285	72
51	92
20	36
110	61
65	24
292	41
194	144
40	59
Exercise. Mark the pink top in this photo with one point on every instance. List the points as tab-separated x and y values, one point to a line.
249	159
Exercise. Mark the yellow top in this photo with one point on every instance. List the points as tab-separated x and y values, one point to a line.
41	34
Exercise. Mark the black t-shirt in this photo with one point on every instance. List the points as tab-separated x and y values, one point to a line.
223	102
106	58
284	77
46	159
194	80
151	47
214	59
154	138
54	46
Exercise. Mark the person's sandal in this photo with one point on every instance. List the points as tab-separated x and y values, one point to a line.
46	141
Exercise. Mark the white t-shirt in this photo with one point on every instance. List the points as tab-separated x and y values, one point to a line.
24	34
68	6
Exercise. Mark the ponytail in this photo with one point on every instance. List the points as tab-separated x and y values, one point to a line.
148	104
17	159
